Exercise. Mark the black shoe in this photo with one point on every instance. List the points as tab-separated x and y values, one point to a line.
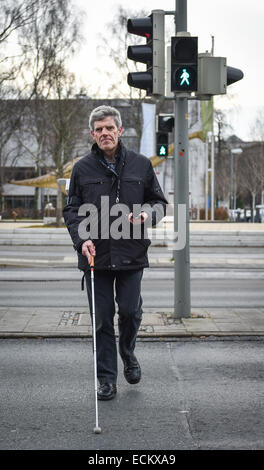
132	371
106	391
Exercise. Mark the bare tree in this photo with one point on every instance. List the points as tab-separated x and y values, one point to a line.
222	126
47	42
118	39
66	118
53	130
257	126
222	158
15	14
47	34
10	122
257	133
250	174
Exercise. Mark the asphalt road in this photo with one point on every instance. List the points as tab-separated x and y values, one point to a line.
157	291
213	285
196	394
58	251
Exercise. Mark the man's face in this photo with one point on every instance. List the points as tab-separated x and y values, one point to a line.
106	134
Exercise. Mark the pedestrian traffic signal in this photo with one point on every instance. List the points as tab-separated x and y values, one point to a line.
152	53
184	63
162	139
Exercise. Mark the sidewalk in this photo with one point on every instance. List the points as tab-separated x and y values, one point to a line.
21	322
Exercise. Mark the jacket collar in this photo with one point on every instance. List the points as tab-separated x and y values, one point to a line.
120	154
120	150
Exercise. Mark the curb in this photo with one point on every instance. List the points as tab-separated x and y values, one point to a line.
153	336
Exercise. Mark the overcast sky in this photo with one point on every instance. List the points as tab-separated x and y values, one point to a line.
237	27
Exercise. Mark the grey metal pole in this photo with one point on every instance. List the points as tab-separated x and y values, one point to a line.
232	182
180	15
181	187
212	176
206	176
235	170
212	153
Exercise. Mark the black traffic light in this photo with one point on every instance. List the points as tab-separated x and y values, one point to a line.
152	53
184	63
165	123
162	141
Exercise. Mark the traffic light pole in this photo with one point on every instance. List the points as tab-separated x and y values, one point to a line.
182	302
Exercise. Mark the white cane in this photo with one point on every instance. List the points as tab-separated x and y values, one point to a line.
97	429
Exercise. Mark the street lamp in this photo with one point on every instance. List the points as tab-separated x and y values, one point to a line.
236	151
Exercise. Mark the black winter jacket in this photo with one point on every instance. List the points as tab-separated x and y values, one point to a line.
133	182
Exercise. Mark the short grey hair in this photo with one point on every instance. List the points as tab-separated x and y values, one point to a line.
100	113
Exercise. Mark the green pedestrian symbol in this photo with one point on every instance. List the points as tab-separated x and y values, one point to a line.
162	151
185	77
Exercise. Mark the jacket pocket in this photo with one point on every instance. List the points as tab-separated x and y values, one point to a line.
132	190
93	189
137	181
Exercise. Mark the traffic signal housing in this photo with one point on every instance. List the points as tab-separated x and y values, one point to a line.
162	142
165	122
184	63
214	75
233	75
152	53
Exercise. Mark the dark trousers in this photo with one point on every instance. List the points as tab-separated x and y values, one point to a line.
128	298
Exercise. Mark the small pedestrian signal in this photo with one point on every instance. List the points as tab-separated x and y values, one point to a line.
162	140
162	151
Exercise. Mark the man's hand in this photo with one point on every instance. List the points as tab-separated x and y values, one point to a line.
88	250
140	219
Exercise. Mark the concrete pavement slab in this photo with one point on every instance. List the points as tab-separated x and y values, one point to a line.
199	324
254	314
58	322
235	327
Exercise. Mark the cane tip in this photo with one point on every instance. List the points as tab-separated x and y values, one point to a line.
97	430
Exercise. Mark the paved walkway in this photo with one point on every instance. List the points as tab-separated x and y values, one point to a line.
57	322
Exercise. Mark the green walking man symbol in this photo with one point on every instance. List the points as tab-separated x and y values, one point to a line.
185	77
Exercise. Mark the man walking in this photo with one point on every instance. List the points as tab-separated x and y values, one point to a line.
108	181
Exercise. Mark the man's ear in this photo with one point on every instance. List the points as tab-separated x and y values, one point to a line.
92	134
120	130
